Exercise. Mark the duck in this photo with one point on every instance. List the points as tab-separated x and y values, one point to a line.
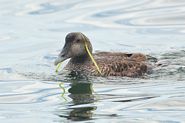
79	50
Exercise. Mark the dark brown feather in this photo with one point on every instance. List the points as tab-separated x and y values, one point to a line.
113	64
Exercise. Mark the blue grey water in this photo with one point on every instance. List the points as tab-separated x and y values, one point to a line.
32	34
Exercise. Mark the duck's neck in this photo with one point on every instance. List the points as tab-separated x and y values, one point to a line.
80	59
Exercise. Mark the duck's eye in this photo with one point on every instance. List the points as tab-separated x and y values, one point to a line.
78	40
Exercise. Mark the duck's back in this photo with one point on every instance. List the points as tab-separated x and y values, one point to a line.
114	64
122	64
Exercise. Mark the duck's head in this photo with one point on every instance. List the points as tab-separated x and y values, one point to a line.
74	47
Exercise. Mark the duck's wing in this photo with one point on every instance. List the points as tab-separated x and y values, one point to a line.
129	68
119	55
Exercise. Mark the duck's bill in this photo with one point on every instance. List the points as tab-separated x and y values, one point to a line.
59	60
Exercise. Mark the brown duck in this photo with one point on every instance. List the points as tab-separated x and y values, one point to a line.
109	63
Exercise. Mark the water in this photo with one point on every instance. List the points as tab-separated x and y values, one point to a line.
32	34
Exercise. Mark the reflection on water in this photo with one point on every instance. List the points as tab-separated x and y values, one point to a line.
81	93
32	33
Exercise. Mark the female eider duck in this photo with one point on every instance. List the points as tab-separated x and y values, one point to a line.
79	49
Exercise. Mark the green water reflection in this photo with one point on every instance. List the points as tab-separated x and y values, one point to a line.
81	93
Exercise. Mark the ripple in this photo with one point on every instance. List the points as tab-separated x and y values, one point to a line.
171	65
29	85
134	15
45	7
28	92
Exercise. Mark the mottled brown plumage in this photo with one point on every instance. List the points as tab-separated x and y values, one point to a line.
110	64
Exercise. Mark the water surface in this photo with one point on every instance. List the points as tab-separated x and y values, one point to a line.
32	34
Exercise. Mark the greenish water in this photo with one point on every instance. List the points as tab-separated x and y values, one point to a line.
32	34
